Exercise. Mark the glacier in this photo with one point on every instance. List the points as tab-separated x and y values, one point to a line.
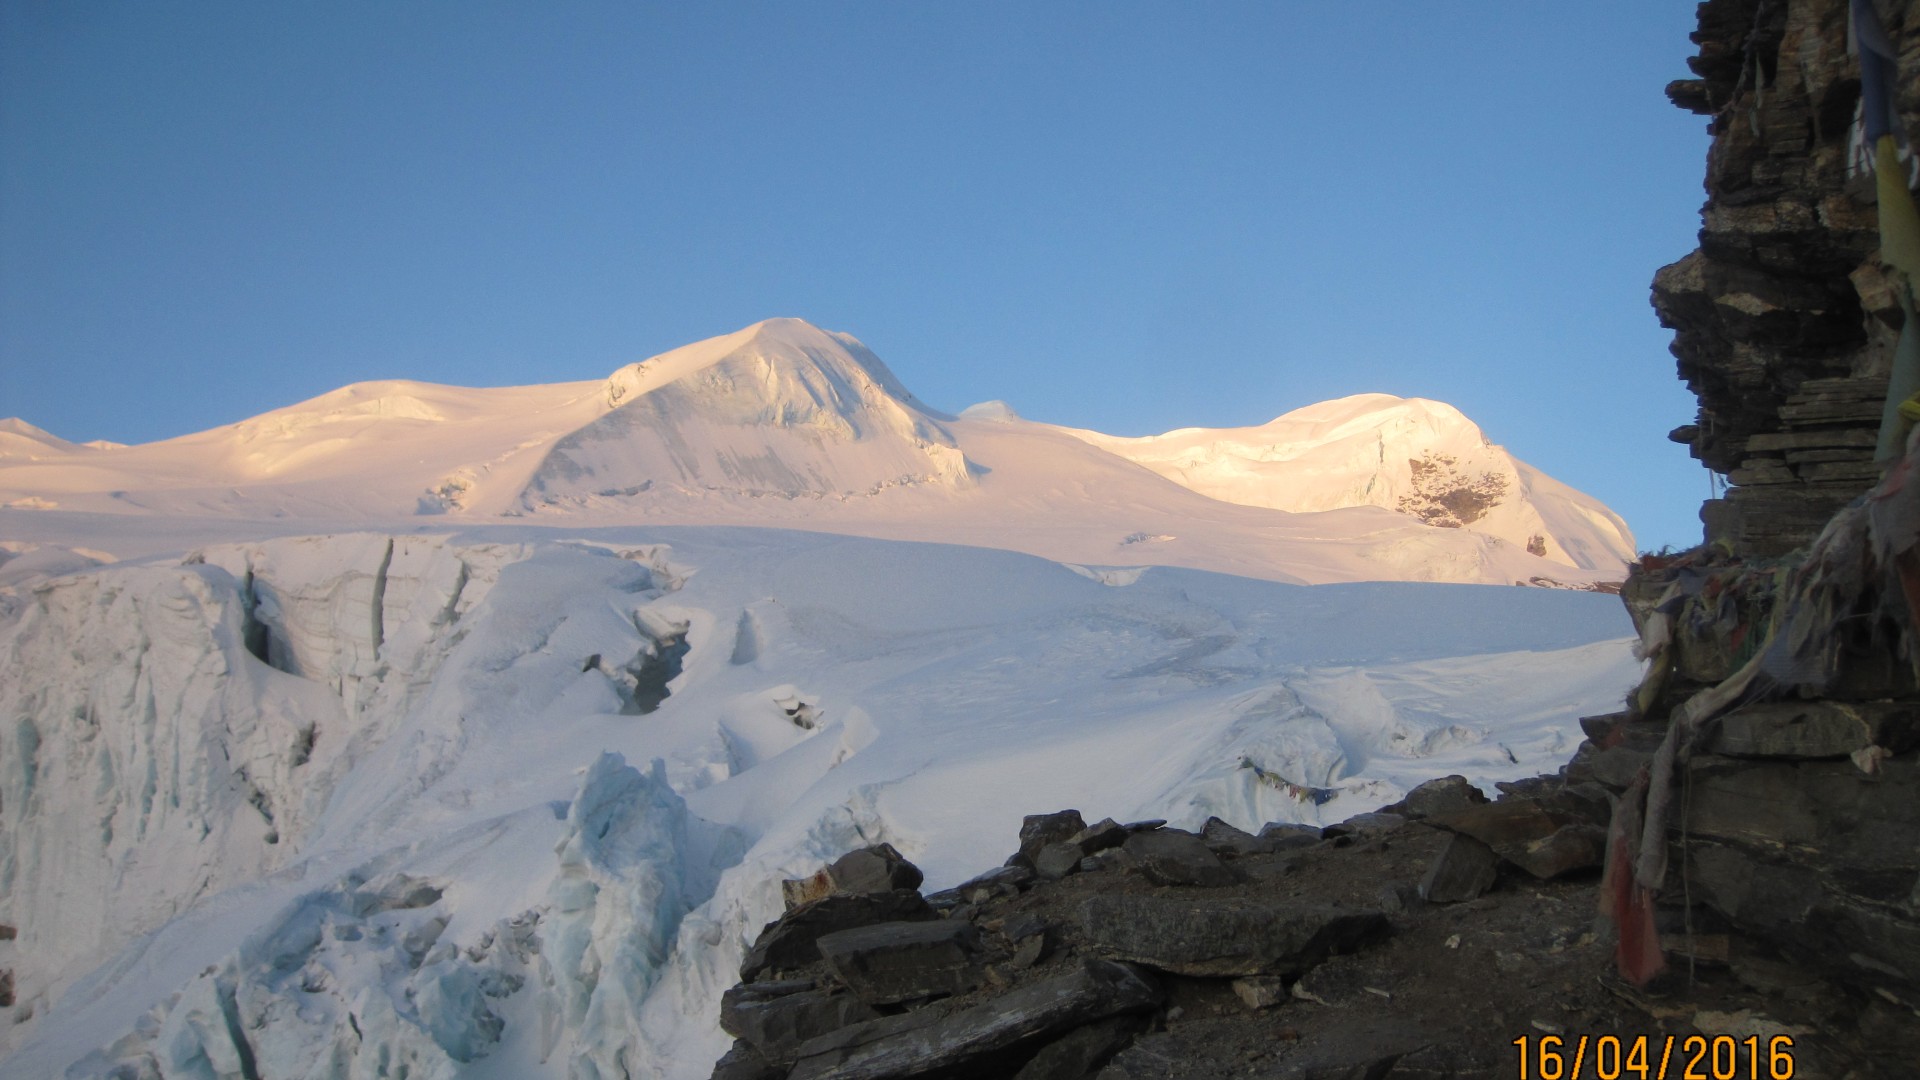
321	806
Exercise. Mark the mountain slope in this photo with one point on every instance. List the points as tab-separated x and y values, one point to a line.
781	409
785	424
1409	455
21	441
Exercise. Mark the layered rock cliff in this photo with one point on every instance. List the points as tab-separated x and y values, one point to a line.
1774	747
1784	318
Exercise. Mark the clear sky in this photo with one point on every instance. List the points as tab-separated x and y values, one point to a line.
1124	216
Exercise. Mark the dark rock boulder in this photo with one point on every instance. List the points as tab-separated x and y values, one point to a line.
927	1040
1568	849
1843	823
1446	795
756	993
1223	937
1082	1051
1228	842
1000	881
743	1062
898	961
1364	825
1614	768
1818	856
1545	841
775	1025
1360	1048
1172	857
1285	836
1463	870
1100	836
1057	860
1039	830
1817	729
875	869
788	943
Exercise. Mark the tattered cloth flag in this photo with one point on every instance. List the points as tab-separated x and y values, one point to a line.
1899	218
1857	589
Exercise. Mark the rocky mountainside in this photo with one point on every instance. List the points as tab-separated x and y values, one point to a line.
1782	697
1445	937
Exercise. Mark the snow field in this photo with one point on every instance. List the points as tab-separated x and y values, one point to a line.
318	806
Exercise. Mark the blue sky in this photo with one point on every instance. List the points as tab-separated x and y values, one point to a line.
1124	216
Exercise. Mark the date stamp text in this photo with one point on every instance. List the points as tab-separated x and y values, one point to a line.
1640	1057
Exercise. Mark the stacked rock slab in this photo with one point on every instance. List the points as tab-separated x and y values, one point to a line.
1784	319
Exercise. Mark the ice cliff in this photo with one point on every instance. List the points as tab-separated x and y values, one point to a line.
501	804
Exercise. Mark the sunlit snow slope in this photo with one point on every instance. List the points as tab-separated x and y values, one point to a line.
1415	456
785	423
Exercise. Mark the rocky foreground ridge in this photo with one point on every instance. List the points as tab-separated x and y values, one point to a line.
1421	941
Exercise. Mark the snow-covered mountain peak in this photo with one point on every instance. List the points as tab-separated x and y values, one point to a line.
781	409
995	411
1356	412
785	423
1411	455
768	347
23	441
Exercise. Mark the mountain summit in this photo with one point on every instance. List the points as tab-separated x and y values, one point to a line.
785	424
1411	455
781	409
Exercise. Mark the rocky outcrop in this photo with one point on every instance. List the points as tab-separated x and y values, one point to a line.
1766	778
1771	749
1326	956
1784	319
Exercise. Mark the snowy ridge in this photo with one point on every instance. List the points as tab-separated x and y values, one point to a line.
1410	455
21	441
364	808
781	409
783	423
